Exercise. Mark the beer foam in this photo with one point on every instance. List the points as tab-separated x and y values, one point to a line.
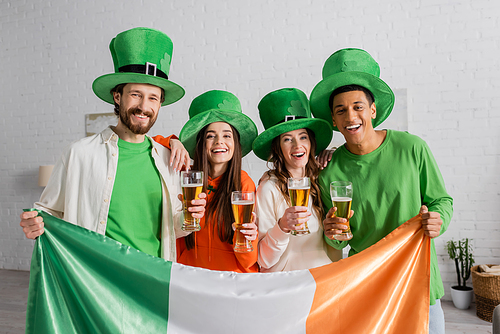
192	185
299	188
341	199
242	202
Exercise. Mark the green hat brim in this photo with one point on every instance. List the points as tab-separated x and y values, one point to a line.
322	131
103	85
241	122
383	94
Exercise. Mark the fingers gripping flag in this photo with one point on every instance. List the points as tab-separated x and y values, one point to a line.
83	282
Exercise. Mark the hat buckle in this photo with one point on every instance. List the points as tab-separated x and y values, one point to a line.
150	67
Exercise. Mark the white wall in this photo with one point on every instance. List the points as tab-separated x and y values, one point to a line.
445	53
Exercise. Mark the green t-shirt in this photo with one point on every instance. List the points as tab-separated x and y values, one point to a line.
135	209
390	185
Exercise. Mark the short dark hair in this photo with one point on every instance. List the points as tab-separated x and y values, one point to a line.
351	88
119	89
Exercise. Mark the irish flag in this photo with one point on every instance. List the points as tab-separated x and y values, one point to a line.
83	282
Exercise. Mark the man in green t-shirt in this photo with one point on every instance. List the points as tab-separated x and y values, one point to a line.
394	175
120	182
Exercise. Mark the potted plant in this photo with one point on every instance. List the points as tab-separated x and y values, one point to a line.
461	252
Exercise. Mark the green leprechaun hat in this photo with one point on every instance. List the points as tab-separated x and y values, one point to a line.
217	106
351	67
285	110
140	55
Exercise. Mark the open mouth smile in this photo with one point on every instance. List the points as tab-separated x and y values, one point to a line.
141	117
298	155
353	128
219	150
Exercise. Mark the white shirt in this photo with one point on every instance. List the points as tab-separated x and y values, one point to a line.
80	187
280	251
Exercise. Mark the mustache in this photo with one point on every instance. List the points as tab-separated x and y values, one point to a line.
137	111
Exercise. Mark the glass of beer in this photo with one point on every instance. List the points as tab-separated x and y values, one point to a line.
341	193
192	184
299	188
242	203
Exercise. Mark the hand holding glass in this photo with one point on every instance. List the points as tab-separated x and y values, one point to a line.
242	203
299	189
341	194
192	184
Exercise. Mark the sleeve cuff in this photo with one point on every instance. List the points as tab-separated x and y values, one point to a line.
278	234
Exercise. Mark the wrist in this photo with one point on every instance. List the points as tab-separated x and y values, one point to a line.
284	230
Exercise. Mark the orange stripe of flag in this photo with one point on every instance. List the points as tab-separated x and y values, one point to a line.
384	289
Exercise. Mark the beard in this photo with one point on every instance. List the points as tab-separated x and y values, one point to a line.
138	129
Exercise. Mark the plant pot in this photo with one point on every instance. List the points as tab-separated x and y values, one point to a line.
461	296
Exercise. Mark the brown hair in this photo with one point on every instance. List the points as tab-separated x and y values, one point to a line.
219	213
119	89
282	174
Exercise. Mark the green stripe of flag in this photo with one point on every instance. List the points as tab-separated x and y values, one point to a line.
83	282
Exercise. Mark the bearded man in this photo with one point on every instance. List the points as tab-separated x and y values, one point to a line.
120	182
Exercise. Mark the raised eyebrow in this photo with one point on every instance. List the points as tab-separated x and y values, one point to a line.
213	131
341	105
133	91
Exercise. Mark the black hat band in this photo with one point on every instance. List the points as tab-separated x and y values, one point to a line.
290	118
149	69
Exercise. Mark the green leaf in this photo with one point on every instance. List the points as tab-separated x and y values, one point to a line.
226	105
165	63
296	108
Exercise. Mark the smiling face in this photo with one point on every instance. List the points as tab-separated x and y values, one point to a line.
295	146
139	106
352	114
219	144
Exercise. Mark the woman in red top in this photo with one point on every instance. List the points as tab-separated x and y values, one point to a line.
217	136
